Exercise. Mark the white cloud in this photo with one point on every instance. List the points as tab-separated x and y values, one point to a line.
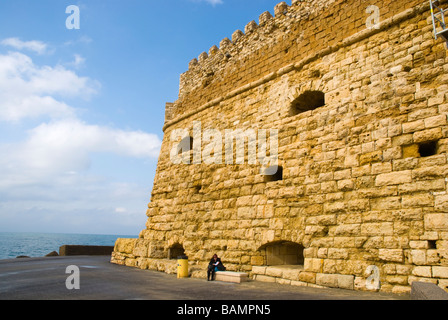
65	147
36	46
30	91
47	178
79	60
65	144
68	143
82	40
16	108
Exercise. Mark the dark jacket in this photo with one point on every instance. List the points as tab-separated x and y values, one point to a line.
219	265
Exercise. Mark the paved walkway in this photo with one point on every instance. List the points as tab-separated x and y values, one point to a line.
45	279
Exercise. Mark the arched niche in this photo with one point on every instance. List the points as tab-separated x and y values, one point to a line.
175	251
309	100
283	253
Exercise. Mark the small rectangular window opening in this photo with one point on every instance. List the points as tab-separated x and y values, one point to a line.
274	173
427	149
432	244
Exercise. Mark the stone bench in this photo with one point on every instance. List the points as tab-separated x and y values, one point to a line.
427	291
231	276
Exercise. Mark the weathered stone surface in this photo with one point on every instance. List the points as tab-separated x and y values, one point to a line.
436	221
393	255
235	277
422	272
440	272
427	291
356	188
393	178
335	280
125	245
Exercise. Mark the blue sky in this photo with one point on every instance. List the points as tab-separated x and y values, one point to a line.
81	111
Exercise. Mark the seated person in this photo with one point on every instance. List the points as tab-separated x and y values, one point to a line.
214	265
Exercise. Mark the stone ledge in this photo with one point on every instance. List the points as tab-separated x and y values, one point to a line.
69	250
427	291
230	276
336	280
287	272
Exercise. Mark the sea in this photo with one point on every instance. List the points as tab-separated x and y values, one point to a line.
14	244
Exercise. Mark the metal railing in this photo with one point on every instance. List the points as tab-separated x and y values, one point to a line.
438	20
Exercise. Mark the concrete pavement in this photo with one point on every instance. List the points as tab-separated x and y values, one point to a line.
45	279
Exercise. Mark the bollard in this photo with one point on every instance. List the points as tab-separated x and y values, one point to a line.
182	267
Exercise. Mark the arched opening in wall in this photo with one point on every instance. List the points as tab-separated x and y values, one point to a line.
284	253
175	251
309	100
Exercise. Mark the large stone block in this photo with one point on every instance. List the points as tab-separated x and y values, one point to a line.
392	255
335	280
441	203
393	178
141	248
125	245
436	221
440	272
229	276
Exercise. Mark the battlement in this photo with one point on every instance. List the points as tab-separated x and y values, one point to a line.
254	37
294	35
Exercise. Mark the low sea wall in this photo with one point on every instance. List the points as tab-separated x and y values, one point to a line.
76	250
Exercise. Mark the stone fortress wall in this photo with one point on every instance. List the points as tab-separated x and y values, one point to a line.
361	115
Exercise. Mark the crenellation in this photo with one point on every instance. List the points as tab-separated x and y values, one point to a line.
236	36
360	188
202	57
193	63
262	33
225	43
281	9
264	18
250	27
213	50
